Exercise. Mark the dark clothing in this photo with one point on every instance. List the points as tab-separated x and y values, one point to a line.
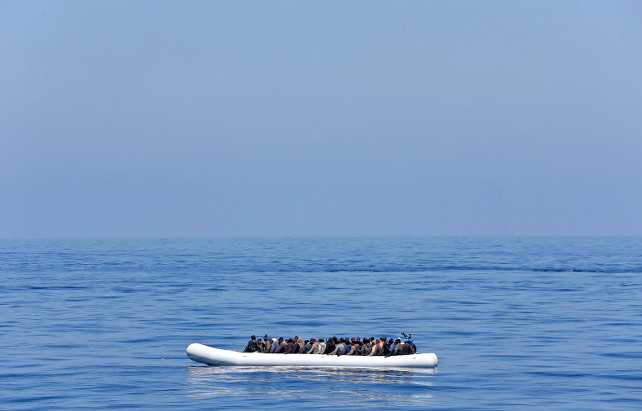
405	349
291	346
252	346
366	349
329	347
282	348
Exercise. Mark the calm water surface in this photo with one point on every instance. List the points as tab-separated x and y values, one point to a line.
515	322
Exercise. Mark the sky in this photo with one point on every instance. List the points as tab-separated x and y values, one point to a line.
304	118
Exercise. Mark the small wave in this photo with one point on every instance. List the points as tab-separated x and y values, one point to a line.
626	355
320	268
54	287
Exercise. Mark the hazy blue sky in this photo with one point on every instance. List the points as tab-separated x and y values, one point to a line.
243	118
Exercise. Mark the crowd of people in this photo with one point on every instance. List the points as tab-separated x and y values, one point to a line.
367	346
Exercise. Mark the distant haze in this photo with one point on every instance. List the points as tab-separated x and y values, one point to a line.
279	118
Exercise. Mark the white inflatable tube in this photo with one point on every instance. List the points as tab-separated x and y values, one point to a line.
215	356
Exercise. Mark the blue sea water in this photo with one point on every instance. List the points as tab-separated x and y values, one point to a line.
516	322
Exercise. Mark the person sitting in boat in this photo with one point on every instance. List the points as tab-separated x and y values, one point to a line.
396	347
322	346
405	348
282	348
391	346
252	345
315	347
399	346
371	345
355	348
338	347
275	345
261	344
380	348
385	347
365	348
330	345
375	348
346	348
306	347
268	343
292	346
411	341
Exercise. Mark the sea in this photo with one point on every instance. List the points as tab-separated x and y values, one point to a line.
516	322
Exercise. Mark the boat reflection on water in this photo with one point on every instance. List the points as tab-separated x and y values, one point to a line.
335	386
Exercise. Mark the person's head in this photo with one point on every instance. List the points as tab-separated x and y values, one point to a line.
280	339
260	340
391	341
320	339
274	339
398	341
307	341
405	341
254	337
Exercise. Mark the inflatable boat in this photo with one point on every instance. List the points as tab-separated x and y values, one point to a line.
215	356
